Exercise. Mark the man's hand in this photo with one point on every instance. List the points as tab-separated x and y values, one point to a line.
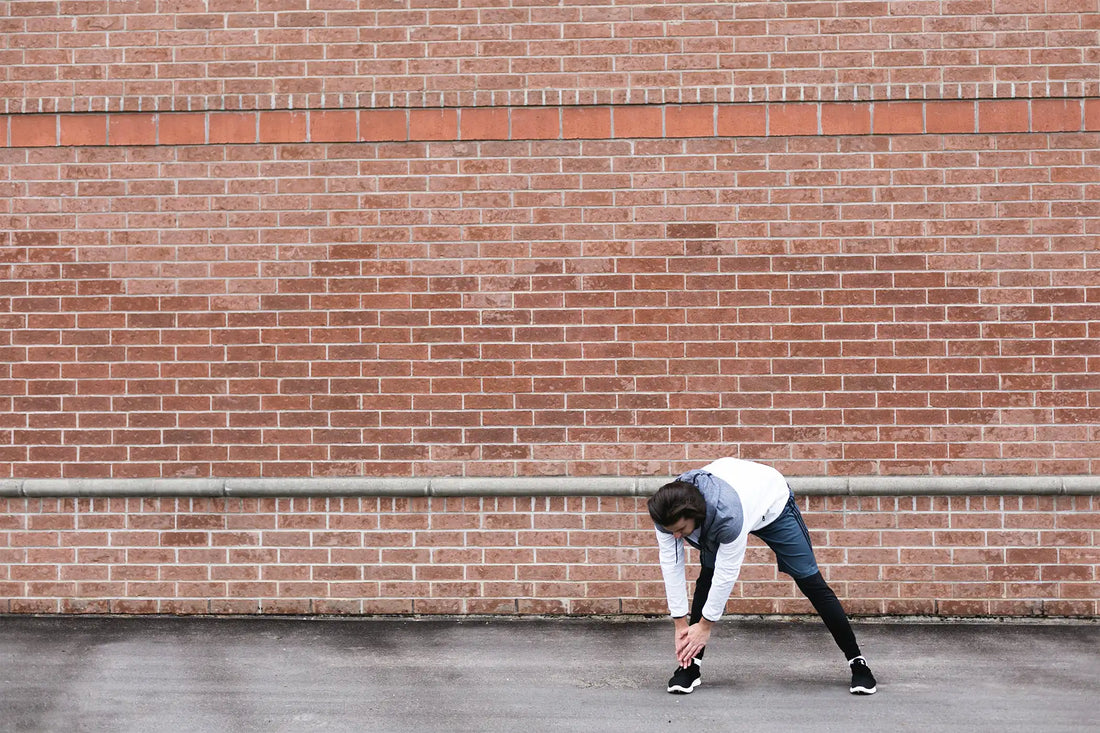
689	644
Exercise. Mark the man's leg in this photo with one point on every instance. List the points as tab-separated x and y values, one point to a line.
790	540
699	599
831	612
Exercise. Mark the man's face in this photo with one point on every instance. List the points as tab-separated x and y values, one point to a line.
682	528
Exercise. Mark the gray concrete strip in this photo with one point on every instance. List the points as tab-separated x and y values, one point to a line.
72	487
187	487
325	486
1080	484
910	485
534	675
535	486
123	487
648	485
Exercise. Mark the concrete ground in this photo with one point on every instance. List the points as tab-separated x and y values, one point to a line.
445	674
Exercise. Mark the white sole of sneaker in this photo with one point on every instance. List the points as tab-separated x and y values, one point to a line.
685	690
862	690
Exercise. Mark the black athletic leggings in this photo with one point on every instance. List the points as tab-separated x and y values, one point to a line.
813	587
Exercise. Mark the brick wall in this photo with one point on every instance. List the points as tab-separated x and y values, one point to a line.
959	555
241	238
836	304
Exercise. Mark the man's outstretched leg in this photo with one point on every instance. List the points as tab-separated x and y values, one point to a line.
789	539
828	606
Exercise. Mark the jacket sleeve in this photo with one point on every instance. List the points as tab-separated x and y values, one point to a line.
727	566
672	568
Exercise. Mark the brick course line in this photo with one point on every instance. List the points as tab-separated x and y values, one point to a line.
787	119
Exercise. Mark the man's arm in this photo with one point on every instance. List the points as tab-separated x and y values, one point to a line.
727	566
672	569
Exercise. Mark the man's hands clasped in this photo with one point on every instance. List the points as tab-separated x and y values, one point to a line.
690	639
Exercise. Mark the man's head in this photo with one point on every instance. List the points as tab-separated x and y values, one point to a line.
679	507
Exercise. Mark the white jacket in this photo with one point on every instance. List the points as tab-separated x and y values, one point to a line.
761	493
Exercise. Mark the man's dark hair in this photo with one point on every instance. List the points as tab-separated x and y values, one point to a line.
677	500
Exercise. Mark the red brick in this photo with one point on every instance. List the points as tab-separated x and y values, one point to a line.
1070	608
846	119
490	606
333	126
433	124
1056	115
949	117
638	122
689	120
592	123
229	606
283	127
593	606
742	120
537	606
136	607
390	125
1003	116
437	606
898	118
29	131
181	128
1092	117
233	127
909	607
83	129
184	607
132	128
489	123
534	123
387	606
792	118
287	607
86	606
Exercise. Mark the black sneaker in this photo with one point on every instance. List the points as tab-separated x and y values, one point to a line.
685	680
863	682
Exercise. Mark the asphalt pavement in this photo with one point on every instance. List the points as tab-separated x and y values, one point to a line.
535	674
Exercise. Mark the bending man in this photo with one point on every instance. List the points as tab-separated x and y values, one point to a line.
715	509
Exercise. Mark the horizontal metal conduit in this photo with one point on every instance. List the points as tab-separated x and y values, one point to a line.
533	486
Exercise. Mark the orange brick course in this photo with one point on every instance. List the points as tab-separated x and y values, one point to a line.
550	123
